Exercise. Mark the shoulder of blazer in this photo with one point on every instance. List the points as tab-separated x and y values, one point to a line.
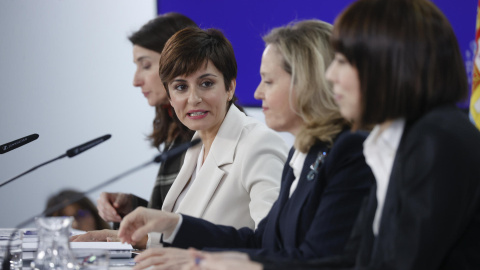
347	147
348	139
234	127
442	126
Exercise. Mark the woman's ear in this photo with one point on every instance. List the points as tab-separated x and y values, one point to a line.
231	89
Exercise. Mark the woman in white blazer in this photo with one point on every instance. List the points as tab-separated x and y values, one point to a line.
232	177
237	184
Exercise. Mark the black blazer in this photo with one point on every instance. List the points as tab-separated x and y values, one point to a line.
315	222
431	216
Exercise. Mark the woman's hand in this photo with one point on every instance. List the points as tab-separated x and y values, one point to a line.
112	206
220	261
163	258
96	236
141	221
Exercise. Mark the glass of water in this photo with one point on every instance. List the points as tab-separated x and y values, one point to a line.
14	238
92	259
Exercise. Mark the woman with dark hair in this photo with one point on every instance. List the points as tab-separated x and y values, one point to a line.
398	67
168	132
85	213
148	43
324	179
232	177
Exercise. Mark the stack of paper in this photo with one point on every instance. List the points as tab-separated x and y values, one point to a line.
117	249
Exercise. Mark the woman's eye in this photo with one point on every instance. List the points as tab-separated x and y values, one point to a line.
340	59
180	87
207	84
146	66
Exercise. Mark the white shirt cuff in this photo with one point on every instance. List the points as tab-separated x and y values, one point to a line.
154	240
170	239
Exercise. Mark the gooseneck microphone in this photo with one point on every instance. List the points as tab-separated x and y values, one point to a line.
158	159
69	153
4	148
84	147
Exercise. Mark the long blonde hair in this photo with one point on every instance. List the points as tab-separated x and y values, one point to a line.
305	47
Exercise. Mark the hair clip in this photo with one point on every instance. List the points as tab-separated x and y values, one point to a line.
314	167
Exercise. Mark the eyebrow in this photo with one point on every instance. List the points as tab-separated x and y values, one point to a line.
201	77
206	75
179	80
141	58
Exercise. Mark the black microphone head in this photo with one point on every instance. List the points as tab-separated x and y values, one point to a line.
175	151
17	143
84	147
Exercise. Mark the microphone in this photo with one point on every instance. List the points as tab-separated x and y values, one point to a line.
159	158
17	143
175	151
69	153
84	147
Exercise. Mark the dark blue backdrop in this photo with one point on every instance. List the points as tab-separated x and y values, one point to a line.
245	21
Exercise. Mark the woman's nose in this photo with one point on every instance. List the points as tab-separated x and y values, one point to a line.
258	93
137	81
194	97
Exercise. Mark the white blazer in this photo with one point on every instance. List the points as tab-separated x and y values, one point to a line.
239	180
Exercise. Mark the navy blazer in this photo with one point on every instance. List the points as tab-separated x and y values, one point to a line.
315	222
431	216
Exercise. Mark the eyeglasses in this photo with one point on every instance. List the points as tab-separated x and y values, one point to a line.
81	214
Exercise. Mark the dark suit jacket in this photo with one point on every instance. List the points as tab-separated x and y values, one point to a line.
315	222
431	216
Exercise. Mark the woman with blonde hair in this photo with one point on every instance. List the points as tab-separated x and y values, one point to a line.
324	179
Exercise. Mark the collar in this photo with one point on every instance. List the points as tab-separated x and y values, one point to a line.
389	137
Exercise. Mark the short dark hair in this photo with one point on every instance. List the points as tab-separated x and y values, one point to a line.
191	48
153	36
407	57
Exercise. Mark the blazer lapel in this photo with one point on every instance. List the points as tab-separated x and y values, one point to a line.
202	190
272	233
300	195
183	176
221	153
388	224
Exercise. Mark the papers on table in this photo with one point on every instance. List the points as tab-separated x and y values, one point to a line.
117	249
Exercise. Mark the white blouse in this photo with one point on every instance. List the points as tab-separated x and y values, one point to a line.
297	161
380	149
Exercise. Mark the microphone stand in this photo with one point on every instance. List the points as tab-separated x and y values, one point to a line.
158	159
32	169
70	153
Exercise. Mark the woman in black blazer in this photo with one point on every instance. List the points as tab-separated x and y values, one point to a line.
323	182
398	67
399	63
